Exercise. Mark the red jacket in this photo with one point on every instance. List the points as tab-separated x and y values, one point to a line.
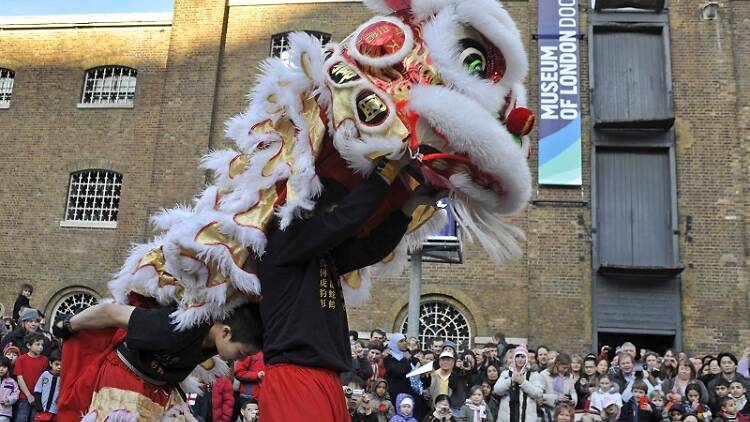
222	400
246	371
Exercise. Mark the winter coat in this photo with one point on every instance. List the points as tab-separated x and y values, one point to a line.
17	336
396	371
629	410
400	417
467	413
246	372
456	388
532	388
222	399
382	406
8	391
550	395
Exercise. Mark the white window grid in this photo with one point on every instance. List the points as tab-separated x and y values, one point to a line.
280	43
109	85
73	303
440	319
6	86
93	196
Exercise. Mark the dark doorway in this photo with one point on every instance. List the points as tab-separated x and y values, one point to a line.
655	342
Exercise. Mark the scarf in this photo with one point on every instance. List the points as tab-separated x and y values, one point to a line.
515	400
559	384
477	410
393	345
440	416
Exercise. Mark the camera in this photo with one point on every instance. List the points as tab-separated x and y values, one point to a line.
352	392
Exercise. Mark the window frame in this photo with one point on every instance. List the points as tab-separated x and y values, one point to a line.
7	74
128	103
96	224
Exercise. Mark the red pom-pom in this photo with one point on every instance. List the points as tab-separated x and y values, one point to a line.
520	121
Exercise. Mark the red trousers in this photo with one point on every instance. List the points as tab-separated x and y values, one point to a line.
293	393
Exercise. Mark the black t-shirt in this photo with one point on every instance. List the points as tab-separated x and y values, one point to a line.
157	350
303	309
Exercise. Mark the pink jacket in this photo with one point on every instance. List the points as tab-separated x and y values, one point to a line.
8	391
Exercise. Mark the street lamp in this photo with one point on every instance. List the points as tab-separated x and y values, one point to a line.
710	10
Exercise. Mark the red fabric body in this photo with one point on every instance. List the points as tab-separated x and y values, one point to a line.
30	368
246	371
222	400
293	393
91	363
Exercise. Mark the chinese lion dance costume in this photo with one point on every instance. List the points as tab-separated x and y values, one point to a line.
438	80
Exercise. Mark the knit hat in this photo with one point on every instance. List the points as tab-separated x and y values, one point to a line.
608	400
408	400
11	348
521	350
29	314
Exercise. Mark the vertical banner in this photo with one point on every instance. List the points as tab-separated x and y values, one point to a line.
559	94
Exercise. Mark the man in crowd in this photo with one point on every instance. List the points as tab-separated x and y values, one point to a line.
377	335
542	357
624	376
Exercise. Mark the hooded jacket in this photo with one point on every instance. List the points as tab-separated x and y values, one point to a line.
518	400
381	405
400	417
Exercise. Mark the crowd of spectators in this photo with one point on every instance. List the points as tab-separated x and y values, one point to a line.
512	383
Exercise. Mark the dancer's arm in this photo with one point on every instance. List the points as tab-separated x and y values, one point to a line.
107	315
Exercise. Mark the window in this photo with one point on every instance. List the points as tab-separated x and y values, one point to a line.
6	86
631	78
634	208
439	319
73	303
109	86
93	199
280	43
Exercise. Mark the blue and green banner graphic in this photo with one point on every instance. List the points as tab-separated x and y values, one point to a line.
559	94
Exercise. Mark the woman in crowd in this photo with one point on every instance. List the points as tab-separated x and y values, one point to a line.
685	376
492	374
559	386
519	388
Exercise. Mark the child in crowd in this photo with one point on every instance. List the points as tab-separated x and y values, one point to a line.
222	399
563	413
611	408
475	409
638	407
404	409
12	352
678	413
728	411
694	404
23	300
493	403
8	390
442	411
722	390
737	392
249	412
658	403
47	390
380	401
28	369
606	388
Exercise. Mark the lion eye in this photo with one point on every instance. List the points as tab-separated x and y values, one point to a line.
473	57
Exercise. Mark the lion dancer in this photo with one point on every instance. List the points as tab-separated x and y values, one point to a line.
124	363
306	341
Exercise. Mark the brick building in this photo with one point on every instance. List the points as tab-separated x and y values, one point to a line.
137	146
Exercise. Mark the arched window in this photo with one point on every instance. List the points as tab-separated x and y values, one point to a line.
72	303
109	85
6	86
440	319
93	199
280	43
